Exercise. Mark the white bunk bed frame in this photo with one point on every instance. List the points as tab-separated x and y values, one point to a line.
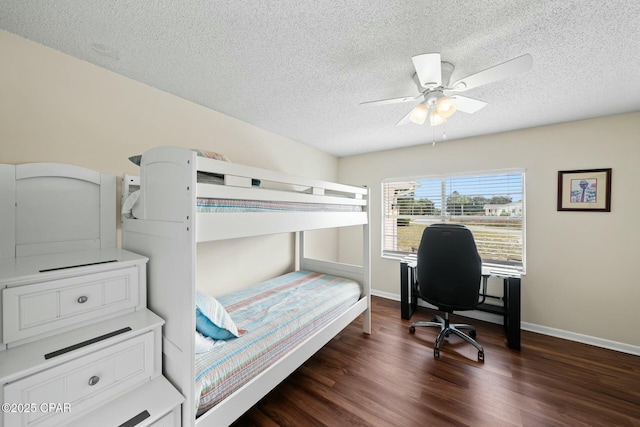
167	227
77	200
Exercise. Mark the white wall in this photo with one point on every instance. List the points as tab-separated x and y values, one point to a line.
582	274
55	108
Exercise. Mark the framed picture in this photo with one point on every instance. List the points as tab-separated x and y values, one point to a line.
584	190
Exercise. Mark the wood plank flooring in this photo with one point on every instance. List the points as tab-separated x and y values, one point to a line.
391	378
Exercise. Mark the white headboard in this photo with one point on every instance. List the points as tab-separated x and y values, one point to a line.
54	207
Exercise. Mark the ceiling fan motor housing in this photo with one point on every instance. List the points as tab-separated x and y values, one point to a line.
432	97
446	70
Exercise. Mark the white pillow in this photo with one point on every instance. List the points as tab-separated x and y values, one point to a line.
212	320
203	344
129	203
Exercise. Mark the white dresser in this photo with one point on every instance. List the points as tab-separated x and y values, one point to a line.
77	344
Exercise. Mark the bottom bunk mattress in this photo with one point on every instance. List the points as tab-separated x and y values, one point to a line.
278	315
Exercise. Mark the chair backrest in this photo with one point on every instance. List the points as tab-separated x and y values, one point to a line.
449	267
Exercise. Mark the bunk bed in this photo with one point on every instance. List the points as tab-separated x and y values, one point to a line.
184	199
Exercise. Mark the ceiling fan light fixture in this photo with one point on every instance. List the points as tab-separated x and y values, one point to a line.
445	107
419	114
436	119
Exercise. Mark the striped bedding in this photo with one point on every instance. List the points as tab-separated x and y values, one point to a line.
233	205
278	314
236	205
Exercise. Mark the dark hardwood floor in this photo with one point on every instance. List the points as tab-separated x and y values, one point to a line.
390	378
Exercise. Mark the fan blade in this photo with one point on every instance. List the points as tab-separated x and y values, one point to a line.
497	72
405	119
467	105
392	100
428	69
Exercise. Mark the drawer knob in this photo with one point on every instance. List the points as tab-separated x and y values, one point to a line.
82	299
94	380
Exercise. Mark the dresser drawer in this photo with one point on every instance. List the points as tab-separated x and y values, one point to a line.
155	403
172	419
42	307
82	384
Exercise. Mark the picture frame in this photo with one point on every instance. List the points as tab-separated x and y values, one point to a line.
584	190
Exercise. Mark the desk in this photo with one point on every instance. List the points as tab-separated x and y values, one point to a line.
511	299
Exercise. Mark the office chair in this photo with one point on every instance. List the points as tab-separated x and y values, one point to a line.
449	270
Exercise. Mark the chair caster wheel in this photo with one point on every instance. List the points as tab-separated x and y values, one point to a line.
412	329
472	333
436	353
481	356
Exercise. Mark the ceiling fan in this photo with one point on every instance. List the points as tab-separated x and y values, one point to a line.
439	98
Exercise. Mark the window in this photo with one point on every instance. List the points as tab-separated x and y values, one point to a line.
491	205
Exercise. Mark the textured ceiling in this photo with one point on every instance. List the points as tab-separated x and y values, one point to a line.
300	69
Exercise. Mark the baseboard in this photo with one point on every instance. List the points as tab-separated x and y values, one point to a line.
473	314
585	339
385	295
545	330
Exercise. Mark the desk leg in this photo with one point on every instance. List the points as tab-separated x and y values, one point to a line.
405	292
512	312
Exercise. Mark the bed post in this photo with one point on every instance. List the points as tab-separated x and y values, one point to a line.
166	234
366	274
299	249
7	211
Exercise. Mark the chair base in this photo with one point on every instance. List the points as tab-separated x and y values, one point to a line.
447	329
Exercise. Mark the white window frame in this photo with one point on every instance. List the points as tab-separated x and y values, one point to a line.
518	269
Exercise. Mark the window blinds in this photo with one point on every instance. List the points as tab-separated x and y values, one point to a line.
491	205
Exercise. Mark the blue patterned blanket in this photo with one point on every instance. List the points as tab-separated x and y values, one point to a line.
279	314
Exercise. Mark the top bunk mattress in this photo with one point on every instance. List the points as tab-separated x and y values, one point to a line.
274	202
234	205
278	314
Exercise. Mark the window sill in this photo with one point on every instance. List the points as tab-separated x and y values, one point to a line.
492	269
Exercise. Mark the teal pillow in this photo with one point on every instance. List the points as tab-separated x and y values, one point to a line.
212	320
202	153
136	159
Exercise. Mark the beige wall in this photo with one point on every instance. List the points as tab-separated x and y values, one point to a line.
582	274
55	108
